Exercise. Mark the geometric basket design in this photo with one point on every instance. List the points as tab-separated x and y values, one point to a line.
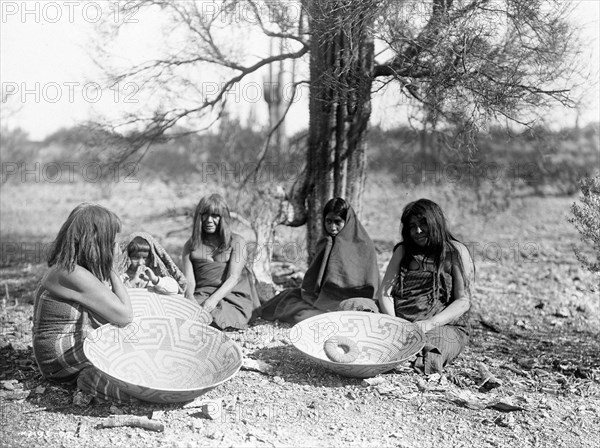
383	341
147	303
163	359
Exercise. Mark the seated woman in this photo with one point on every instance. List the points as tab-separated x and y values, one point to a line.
215	268
79	292
342	276
148	265
429	282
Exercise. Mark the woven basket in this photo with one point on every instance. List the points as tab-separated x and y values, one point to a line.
383	341
163	359
147	303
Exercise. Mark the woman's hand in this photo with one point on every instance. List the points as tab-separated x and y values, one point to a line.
425	325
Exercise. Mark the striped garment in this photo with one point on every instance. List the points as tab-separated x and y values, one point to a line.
59	329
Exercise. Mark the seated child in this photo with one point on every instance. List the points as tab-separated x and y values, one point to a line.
343	275
149	266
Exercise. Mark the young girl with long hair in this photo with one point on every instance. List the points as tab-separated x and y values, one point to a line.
214	264
429	281
79	292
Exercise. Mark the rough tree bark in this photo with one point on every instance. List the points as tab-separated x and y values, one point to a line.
341	73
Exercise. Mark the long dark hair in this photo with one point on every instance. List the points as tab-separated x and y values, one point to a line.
86	239
213	204
338	206
439	242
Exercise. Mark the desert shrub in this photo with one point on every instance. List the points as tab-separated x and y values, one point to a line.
586	218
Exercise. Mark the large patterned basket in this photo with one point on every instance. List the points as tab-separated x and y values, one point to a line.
383	341
147	303
163	359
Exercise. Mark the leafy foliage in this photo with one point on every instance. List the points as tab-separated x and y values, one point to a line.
586	217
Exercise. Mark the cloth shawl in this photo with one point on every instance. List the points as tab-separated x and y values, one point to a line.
161	262
345	267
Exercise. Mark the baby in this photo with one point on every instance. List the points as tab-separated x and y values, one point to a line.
140	274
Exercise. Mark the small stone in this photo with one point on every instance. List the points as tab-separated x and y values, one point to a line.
40	390
373	381
434	377
257	365
196	424
81	399
158	415
385	389
16	395
10	385
526	363
562	312
508	420
212	409
116	411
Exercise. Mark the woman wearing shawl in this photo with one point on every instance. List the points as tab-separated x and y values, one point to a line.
214	265
148	265
342	276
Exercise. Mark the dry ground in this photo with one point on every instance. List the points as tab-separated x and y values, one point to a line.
536	320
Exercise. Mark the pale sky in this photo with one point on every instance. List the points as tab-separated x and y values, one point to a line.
48	74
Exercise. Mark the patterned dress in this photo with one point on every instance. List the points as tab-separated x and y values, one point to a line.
59	329
418	295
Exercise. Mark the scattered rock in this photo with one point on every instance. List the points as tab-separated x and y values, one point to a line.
212	409
384	389
81	399
466	399
40	390
351	395
18	394
488	381
115	410
562	312
256	365
11	384
196	403
158	415
196	424
526	363
508	421
373	381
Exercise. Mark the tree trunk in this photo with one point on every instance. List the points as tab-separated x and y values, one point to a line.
341	73
273	90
